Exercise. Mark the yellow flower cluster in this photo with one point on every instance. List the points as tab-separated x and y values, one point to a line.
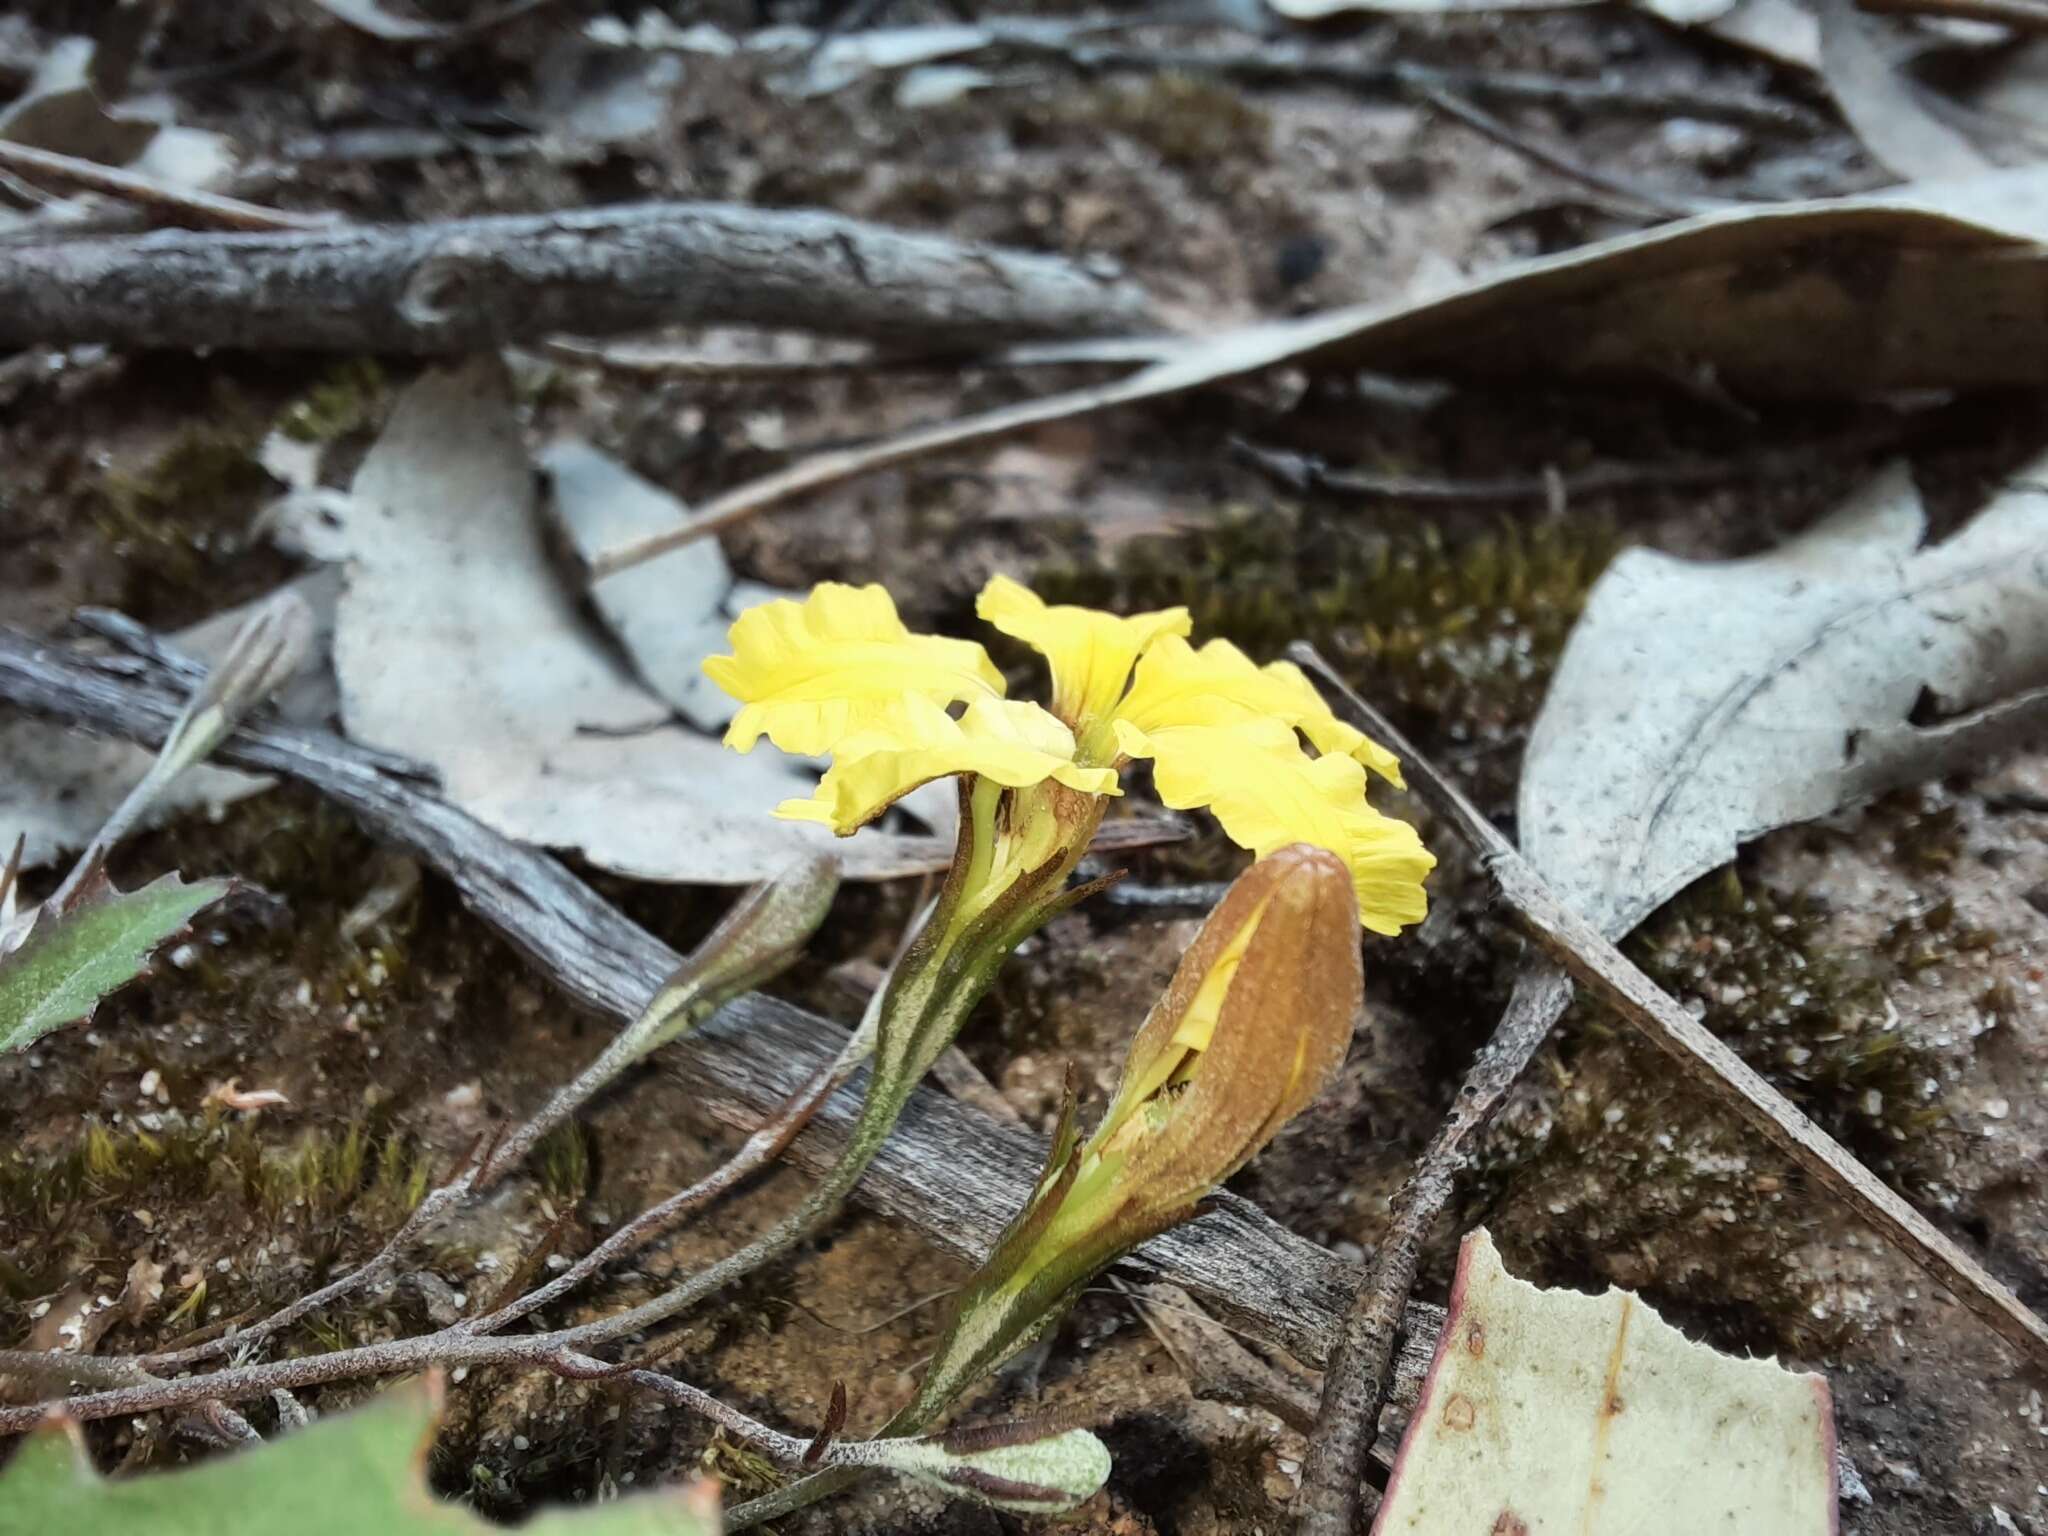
840	673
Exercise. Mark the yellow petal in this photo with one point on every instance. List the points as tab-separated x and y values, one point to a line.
1267	792
1090	652
915	741
1178	684
812	673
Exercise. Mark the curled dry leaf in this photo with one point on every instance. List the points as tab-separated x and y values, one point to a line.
1702	703
1864	60
1551	1411
1935	287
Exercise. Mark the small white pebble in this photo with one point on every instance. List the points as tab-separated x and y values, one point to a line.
1998	1109
1873	1103
558	1262
184	957
40	1309
151	1081
521	1443
222	1266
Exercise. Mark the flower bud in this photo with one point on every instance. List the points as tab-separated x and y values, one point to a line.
763	934
1256	1019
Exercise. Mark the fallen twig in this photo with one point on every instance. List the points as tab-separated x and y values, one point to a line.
1594	961
1360	1375
1555	157
1555	487
1287	65
662	360
948	1171
207	210
464	284
2020	15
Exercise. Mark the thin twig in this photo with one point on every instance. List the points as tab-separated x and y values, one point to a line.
662	360
1291	66
204	210
2020	15
1557	158
1593	960
1299	472
1360	1374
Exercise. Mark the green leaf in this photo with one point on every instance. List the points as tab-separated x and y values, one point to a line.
356	1473
73	958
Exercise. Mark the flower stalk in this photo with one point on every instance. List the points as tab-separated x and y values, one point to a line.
1255	1021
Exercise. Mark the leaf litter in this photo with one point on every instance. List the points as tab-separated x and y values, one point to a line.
459	644
1699	704
1547	1410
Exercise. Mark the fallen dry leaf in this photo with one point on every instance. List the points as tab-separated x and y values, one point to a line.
459	645
1701	703
1548	1412
1925	287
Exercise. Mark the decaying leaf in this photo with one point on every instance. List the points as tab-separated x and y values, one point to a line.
1864	60
65	107
1926	287
1554	1412
459	644
1702	703
71	958
668	614
356	1472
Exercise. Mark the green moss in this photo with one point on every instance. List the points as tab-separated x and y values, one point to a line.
66	1201
1813	1021
563	1158
182	526
350	399
1194	124
1455	637
744	1472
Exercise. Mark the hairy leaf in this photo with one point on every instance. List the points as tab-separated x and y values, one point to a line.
71	958
358	1472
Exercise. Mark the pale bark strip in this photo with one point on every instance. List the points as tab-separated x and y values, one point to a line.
948	1172
465	284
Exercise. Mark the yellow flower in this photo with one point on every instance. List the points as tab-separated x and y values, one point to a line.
840	673
912	740
810	674
1091	652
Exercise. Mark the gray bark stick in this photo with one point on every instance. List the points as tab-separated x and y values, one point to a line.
466	284
949	1172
